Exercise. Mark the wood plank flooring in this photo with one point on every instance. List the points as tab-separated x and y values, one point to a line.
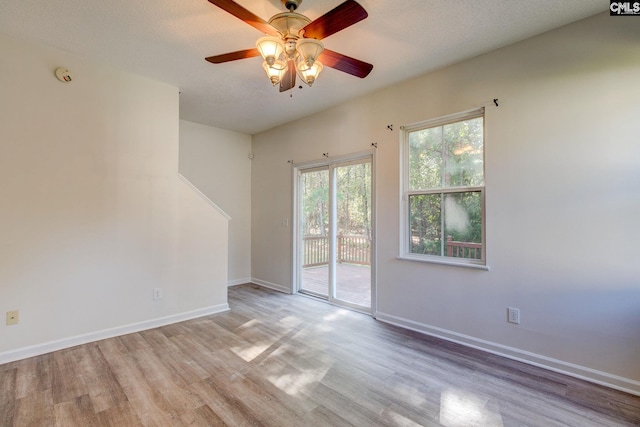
286	360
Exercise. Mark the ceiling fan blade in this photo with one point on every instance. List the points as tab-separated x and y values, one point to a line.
289	79
343	16
233	56
345	63
243	14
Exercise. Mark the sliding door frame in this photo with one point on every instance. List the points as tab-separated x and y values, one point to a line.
296	266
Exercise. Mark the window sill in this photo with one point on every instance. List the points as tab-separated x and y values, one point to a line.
443	262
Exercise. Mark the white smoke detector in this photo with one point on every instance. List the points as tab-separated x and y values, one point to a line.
64	75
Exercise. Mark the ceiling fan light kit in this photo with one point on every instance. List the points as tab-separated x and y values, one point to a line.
277	51
308	51
270	48
275	72
292	45
309	74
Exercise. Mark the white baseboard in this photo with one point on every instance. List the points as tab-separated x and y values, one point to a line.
627	385
48	347
242	281
270	285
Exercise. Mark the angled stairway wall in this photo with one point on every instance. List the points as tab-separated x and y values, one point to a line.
94	215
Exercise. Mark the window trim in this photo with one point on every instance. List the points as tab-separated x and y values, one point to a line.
405	250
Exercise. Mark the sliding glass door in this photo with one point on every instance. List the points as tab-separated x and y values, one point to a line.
314	229
335	232
353	238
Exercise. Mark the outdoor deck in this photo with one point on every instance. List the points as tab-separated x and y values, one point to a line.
353	268
353	282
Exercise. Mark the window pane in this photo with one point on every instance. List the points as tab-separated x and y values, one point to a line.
353	199
315	203
463	225
425	159
444	185
425	224
464	153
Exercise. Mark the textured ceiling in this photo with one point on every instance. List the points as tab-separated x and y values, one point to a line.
168	40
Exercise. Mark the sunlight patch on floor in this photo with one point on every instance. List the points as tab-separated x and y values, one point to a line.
249	353
249	324
337	315
330	319
295	383
459	408
290	321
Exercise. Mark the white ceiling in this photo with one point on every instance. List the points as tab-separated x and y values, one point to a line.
168	40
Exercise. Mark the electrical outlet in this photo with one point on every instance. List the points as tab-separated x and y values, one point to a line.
513	315
13	317
157	293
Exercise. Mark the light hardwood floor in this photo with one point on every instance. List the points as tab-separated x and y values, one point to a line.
286	360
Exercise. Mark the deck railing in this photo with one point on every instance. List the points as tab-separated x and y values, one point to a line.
354	250
357	250
351	249
463	249
315	251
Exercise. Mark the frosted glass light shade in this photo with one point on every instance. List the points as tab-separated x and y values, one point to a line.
309	74
270	48
308	51
275	71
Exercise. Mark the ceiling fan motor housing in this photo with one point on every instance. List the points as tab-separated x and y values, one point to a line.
289	24
291	4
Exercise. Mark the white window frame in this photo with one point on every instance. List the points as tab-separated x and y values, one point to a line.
405	249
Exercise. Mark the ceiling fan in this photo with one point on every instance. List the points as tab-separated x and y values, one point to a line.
292	45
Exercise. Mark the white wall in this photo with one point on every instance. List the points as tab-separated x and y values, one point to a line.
216	161
93	215
563	196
